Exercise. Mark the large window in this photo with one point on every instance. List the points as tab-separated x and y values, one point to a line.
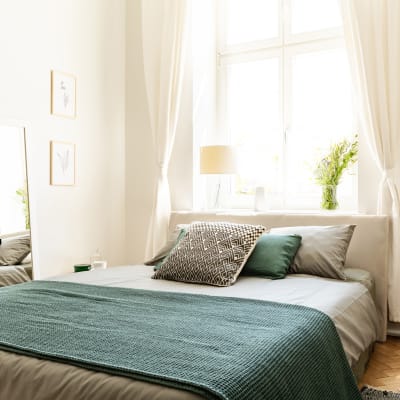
283	96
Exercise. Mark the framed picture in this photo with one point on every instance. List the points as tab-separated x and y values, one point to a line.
63	94
62	164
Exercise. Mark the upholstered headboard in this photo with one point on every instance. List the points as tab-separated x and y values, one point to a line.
368	248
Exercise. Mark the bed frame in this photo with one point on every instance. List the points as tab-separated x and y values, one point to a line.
368	248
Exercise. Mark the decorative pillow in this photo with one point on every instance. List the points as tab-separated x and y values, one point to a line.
166	249
14	249
322	251
211	252
179	238
272	256
13	275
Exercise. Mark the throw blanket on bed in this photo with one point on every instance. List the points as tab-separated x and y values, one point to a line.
218	347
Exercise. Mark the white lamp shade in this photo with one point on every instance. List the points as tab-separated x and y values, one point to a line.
217	160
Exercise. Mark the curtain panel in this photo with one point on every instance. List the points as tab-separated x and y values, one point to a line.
164	35
372	33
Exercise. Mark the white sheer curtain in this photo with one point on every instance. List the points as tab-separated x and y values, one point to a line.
164	30
372	32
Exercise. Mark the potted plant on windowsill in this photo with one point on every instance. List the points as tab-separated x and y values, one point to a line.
330	169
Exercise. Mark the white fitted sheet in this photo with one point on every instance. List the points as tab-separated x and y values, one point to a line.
348	304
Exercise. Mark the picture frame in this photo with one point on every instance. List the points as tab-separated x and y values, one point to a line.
63	94
62	164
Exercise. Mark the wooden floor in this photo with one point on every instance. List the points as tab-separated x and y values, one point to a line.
384	366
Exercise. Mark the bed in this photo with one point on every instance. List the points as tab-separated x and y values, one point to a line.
349	304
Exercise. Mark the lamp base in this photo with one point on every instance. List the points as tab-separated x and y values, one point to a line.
216	193
217	203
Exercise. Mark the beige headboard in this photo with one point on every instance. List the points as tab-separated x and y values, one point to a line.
368	248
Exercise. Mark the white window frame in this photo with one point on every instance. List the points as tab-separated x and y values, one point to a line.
284	46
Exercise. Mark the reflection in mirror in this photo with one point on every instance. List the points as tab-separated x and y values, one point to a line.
15	246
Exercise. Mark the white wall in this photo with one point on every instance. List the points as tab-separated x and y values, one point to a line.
85	38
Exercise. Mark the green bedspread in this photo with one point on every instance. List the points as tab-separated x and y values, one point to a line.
219	347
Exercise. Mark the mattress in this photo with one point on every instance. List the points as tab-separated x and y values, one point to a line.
349	304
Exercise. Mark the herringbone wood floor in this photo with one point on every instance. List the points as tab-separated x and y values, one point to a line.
384	366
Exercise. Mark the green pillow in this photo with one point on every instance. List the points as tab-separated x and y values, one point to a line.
272	256
182	233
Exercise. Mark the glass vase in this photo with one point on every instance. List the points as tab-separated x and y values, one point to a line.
329	200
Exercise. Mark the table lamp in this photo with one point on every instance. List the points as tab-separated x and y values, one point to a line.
217	160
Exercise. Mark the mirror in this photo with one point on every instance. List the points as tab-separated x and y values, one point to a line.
14	201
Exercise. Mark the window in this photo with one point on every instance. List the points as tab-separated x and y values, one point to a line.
283	97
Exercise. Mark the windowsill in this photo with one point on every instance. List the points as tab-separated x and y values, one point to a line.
237	211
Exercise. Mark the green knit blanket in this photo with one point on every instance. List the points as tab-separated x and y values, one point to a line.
218	347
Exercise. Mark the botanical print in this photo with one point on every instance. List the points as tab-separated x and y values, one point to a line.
63	159
66	95
63	94
62	163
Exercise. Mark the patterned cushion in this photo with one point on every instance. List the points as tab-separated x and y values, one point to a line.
211	252
179	238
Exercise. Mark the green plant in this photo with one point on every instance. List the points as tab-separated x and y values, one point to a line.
23	193
330	169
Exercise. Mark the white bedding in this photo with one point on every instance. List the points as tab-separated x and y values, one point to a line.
349	304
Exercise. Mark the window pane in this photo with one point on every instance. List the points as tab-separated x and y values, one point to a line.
321	114
317	110
314	15
254	121
249	20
